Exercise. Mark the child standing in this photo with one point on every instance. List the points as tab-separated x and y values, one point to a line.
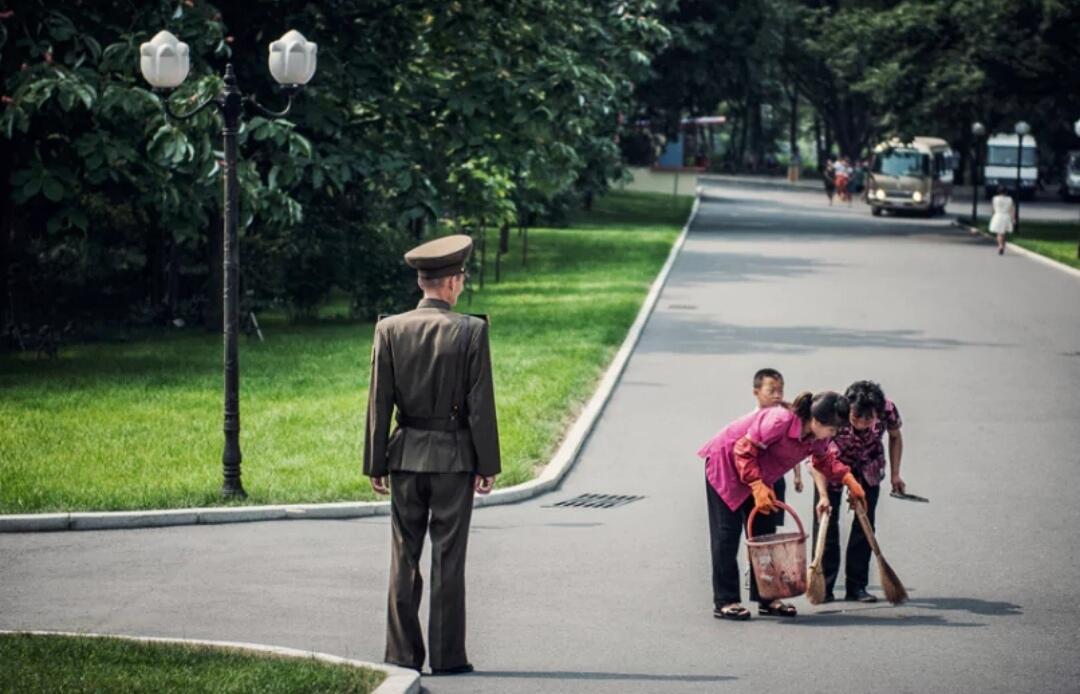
860	447
742	462
769	391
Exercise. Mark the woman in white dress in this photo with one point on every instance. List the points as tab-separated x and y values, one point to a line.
1004	218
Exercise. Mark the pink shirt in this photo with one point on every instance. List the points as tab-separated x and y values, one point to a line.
775	432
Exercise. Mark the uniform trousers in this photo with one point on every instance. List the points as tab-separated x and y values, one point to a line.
725	532
857	557
442	504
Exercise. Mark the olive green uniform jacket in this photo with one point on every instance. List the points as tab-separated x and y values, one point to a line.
420	361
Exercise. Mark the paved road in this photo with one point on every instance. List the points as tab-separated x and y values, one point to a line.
981	353
1047	207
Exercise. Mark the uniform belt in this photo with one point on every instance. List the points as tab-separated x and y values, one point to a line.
432	423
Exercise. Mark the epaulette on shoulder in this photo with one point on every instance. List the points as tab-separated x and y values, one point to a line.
482	316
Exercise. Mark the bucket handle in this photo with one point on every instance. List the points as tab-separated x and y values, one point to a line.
778	504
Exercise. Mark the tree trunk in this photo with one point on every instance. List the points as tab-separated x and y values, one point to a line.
172	285
793	127
740	161
819	149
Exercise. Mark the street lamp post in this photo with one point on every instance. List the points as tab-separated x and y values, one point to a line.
1021	129
977	131
164	61
1076	129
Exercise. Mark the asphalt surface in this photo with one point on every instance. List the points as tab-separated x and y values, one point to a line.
981	353
1046	206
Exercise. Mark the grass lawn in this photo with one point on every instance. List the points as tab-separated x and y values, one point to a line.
137	424
1057	240
37	663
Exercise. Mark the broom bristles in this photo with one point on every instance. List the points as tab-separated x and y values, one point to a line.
894	590
815	585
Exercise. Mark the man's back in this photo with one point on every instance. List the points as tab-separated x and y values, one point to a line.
434	365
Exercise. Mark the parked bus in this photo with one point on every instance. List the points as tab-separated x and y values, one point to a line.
915	175
1000	166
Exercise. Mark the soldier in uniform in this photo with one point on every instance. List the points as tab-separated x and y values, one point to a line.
434	366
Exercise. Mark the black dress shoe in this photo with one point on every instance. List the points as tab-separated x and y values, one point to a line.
829	597
459	670
860	596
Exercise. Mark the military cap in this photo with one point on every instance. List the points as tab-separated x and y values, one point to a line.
441	257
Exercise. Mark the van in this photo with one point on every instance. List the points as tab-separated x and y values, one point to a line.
915	175
1000	169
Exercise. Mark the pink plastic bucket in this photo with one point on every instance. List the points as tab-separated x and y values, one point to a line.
779	559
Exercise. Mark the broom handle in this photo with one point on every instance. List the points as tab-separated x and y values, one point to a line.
819	546
860	511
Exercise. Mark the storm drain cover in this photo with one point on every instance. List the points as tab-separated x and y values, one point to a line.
597	501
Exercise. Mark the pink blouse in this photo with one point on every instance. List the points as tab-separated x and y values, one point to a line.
764	445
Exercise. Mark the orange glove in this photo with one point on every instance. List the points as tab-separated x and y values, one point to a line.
854	489
764	497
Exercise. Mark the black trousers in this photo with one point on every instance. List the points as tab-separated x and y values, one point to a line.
857	557
442	504
780	489
725	531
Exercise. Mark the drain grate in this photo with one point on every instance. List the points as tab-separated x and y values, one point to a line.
597	501
682	307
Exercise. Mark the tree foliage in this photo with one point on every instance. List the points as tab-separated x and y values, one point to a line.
422	117
875	68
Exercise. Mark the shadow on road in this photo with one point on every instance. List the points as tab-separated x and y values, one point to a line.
599	676
686	334
848	619
779	217
706	266
989	608
858	616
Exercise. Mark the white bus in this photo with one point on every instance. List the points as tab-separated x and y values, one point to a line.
1000	168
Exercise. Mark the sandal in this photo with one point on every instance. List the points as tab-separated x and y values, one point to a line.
733	611
777	609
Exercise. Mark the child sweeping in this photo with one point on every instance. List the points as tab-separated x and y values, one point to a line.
742	462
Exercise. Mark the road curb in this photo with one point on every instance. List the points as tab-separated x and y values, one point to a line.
398	680
554	472
1020	250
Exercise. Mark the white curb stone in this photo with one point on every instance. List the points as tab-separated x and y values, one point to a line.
1020	250
398	680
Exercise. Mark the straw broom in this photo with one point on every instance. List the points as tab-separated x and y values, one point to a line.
890	582
815	574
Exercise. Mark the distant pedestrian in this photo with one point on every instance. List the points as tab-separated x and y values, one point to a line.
843	180
1004	220
828	174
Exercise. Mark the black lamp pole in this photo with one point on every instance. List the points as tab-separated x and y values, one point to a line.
230	104
977	131
975	185
1076	129
1019	154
